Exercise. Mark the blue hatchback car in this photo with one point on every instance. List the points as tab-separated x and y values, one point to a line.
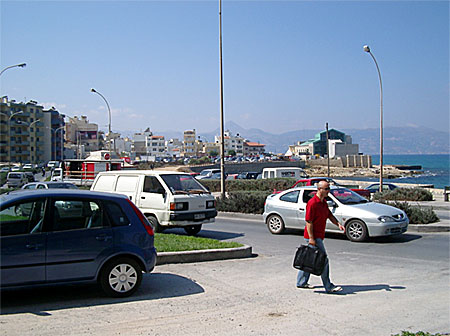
61	236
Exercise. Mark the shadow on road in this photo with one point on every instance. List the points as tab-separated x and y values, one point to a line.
401	238
40	300
353	289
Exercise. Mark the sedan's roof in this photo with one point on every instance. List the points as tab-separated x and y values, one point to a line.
37	193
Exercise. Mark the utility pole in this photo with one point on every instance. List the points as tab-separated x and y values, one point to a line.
328	152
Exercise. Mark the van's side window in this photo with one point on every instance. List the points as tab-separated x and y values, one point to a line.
152	185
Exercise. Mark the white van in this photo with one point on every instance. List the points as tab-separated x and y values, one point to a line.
16	179
57	174
293	172
167	199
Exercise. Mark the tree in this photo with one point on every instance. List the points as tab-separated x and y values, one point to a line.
213	153
232	152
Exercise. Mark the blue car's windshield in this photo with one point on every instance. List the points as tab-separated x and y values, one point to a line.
347	196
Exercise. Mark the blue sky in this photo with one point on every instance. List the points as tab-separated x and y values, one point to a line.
288	65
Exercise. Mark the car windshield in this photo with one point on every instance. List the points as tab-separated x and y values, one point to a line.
183	184
346	196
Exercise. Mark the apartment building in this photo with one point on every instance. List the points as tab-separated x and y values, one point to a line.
82	133
189	144
231	143
253	148
146	145
21	131
53	135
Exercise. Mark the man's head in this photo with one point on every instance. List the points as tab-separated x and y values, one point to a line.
323	188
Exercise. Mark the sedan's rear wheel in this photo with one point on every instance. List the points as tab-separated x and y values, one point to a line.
356	231
275	224
121	277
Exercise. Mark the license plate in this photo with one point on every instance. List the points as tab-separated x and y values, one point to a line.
199	216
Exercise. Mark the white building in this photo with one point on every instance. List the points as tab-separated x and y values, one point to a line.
231	142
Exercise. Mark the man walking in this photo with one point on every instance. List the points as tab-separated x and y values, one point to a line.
317	213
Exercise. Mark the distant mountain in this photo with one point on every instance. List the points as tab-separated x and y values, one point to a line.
397	140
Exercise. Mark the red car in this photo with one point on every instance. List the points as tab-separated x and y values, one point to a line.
314	180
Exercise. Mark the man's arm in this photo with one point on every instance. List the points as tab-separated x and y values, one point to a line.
309	227
335	222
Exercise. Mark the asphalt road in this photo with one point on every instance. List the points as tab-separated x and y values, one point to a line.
390	285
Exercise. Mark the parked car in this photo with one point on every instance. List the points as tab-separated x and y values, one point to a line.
374	187
27	166
248	175
207	173
312	181
4	170
16	179
168	199
293	172
362	218
74	236
16	168
49	185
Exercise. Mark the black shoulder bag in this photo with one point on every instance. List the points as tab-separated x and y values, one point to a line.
310	259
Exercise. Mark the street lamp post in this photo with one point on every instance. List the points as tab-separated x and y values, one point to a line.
222	133
109	124
21	65
367	49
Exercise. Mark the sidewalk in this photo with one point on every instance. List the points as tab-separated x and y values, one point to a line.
441	208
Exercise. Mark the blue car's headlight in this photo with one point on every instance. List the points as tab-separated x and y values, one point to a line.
384	219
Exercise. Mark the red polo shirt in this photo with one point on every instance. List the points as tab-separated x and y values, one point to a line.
317	213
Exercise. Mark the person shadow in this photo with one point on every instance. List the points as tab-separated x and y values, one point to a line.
354	289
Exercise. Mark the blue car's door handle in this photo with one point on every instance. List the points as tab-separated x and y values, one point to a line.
34	246
103	238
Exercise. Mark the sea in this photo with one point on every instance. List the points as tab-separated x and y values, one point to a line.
435	168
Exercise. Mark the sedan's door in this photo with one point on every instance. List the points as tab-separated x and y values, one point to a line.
288	208
305	196
79	241
22	243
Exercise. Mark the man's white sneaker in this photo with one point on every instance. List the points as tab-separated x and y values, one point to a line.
335	289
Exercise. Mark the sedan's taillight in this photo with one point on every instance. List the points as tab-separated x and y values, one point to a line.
142	218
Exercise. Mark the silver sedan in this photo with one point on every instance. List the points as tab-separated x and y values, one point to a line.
361	218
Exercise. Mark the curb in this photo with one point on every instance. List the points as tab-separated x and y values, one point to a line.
432	227
203	255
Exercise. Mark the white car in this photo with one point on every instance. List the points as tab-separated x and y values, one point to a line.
361	218
207	173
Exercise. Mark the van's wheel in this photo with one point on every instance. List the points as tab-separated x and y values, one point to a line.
120	277
356	231
192	229
154	222
275	224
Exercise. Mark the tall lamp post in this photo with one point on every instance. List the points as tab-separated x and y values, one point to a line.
222	133
21	65
367	49
109	124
